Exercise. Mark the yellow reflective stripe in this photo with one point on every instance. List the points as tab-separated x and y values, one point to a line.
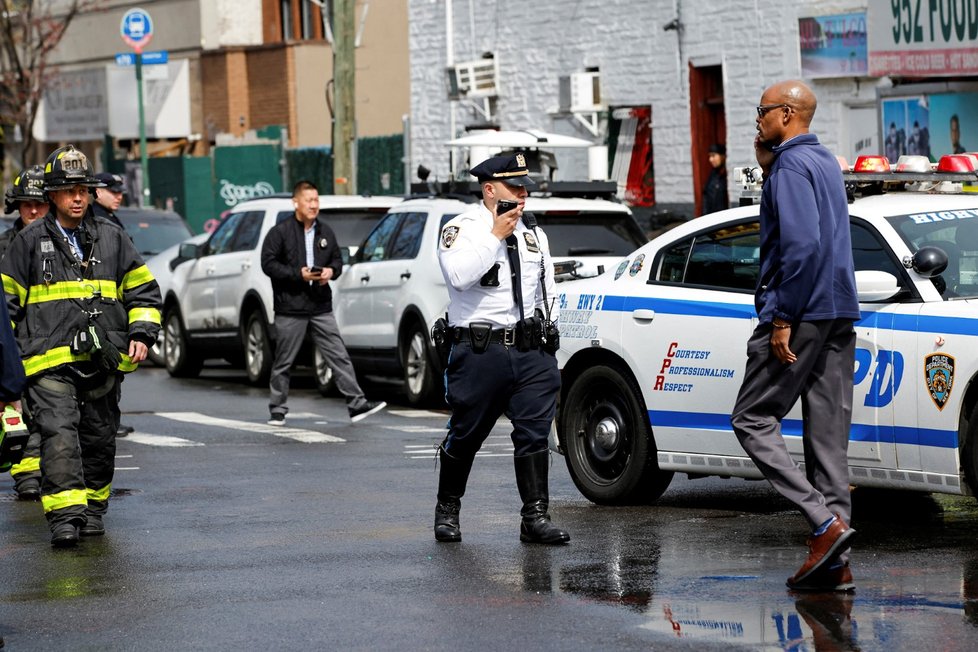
64	499
139	276
83	289
26	465
56	356
145	314
10	286
101	495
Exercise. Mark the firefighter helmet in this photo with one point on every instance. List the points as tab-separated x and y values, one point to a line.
68	167
28	186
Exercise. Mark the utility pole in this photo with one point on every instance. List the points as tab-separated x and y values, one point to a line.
344	89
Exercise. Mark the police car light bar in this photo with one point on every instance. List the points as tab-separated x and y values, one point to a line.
953	167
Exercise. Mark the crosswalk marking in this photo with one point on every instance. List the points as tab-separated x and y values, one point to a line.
494	446
418	414
160	440
297	434
415	429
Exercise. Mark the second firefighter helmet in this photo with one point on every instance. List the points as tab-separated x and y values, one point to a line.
28	186
67	167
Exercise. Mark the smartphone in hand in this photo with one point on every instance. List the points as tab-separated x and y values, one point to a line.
316	270
505	205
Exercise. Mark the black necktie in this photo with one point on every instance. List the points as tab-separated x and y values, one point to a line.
513	254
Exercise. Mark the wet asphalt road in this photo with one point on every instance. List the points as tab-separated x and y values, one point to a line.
232	537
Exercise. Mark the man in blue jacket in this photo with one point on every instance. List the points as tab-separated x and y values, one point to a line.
300	254
804	343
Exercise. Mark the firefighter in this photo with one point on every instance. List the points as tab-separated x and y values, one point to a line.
85	309
27	197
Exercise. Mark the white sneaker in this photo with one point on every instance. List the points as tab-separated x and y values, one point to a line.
364	411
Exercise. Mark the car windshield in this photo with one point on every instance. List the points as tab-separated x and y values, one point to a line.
352	226
957	236
152	232
591	234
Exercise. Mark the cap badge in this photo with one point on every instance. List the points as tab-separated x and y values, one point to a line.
521	160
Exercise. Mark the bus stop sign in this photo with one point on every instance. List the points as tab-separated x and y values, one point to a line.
136	29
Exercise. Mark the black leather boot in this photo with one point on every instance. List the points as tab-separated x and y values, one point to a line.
451	486
532	480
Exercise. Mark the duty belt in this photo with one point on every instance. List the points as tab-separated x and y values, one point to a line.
521	336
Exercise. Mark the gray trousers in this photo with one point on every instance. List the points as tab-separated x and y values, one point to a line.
822	378
289	334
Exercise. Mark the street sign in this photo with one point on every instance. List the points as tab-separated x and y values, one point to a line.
149	58
136	28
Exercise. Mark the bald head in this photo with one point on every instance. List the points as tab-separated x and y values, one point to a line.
786	110
797	95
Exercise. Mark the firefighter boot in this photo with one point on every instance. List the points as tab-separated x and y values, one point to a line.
451	485
532	481
28	489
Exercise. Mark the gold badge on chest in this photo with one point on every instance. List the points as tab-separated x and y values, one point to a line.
531	242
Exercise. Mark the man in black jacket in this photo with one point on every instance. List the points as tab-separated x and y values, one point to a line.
301	256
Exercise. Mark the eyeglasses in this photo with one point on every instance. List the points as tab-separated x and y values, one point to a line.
764	108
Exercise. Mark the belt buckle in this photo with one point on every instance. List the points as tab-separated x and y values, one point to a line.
509	336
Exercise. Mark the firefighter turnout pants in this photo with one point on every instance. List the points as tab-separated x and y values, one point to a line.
76	418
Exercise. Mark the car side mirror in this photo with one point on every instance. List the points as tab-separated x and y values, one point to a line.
873	286
929	261
191	250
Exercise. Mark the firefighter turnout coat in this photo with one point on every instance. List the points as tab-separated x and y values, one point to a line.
51	294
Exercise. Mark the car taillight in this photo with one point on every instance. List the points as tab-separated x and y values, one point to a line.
955	163
871	163
913	163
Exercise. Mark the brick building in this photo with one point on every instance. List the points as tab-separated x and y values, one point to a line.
698	68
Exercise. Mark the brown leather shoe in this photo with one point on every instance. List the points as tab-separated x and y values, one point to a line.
827	579
823	549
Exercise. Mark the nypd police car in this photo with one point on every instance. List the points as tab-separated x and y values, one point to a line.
653	351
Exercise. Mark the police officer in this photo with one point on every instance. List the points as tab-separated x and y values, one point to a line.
85	309
109	198
501	290
27	196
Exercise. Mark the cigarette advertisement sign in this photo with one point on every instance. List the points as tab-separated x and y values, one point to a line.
923	38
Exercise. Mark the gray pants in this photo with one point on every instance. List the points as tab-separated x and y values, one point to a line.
822	378
289	332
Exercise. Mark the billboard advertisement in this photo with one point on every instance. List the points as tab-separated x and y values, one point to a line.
915	38
833	46
929	120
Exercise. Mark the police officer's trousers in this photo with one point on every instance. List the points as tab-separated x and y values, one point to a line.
76	419
480	387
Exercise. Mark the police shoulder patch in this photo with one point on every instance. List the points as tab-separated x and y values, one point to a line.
448	236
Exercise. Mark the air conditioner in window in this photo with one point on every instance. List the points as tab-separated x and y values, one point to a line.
580	92
469	79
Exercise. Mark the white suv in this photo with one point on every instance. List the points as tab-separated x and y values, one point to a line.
393	291
219	303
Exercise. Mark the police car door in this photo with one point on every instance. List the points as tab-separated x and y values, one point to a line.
685	331
391	278
881	363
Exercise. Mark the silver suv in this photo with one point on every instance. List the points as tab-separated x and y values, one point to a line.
219	302
393	291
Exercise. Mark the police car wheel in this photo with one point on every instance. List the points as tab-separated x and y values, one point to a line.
257	349
418	366
611	454
969	452
180	360
325	381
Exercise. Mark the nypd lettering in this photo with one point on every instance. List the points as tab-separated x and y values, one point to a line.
939	376
448	236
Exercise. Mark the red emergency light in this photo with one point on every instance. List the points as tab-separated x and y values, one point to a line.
871	163
955	163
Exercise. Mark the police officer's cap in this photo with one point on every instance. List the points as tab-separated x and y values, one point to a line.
508	168
113	182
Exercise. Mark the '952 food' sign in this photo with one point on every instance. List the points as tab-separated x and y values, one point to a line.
923	37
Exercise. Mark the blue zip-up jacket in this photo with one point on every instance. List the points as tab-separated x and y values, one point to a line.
806	249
